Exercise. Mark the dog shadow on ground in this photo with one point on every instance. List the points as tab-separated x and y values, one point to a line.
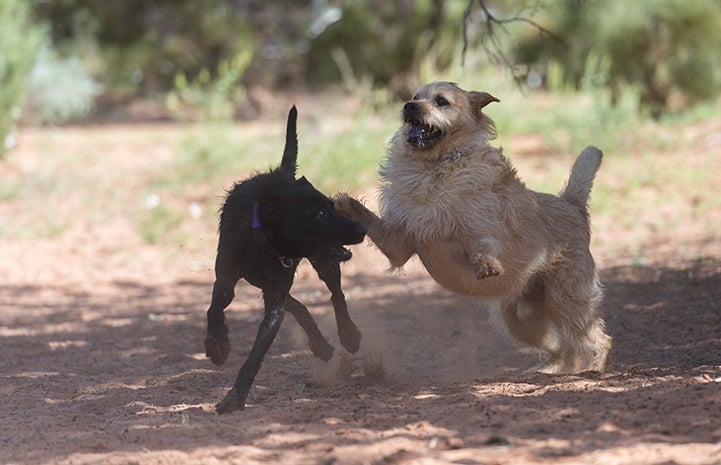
131	359
665	317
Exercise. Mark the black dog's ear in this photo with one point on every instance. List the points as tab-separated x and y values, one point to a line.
303	182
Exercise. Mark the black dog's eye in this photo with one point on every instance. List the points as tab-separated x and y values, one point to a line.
322	213
441	101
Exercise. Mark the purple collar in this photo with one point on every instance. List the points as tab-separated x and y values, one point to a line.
256	221
261	240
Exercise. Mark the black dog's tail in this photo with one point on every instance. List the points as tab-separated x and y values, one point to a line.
290	154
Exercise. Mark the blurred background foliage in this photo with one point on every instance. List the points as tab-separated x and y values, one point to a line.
635	78
81	59
666	51
20	42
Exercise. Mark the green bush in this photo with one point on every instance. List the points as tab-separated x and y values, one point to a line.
138	47
20	40
207	98
658	48
381	41
149	48
61	89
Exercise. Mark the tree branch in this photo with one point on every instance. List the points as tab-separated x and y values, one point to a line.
495	31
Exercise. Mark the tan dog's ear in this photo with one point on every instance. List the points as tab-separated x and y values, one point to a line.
481	99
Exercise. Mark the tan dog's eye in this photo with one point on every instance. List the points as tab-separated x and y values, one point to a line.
415	97
441	101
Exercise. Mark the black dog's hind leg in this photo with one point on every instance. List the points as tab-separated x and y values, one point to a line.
318	343
348	333
235	399
217	345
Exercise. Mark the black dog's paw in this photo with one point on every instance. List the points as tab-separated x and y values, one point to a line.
350	337
230	403
322	349
217	349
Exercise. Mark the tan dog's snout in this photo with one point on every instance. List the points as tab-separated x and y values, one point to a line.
412	112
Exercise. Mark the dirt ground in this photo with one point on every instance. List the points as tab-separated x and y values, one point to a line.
102	360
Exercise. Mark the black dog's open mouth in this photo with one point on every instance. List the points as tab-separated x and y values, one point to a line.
338	252
422	135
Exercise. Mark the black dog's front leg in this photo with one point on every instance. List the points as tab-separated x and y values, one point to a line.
348	332
235	399
319	345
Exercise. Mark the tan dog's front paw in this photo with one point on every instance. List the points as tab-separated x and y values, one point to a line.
353	209
486	267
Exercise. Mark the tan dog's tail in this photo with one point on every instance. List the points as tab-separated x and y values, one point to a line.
578	188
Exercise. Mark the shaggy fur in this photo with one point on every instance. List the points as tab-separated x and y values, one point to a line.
455	201
268	223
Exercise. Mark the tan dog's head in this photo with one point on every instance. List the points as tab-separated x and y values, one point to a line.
442	116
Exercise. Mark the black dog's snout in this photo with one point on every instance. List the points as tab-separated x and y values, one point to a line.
361	230
355	232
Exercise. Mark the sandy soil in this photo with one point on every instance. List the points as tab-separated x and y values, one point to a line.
102	362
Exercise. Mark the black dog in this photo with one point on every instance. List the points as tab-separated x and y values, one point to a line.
268	223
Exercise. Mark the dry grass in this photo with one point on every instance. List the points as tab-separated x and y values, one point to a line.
161	184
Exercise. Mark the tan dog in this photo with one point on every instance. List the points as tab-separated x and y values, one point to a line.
455	201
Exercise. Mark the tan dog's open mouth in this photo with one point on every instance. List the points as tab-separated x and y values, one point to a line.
422	135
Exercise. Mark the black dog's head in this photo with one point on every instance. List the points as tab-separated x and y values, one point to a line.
300	221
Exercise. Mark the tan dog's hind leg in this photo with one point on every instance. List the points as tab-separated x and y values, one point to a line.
590	351
574	295
390	239
527	320
564	324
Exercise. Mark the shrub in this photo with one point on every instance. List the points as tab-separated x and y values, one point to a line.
20	40
381	41
138	47
658	48
209	98
61	89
